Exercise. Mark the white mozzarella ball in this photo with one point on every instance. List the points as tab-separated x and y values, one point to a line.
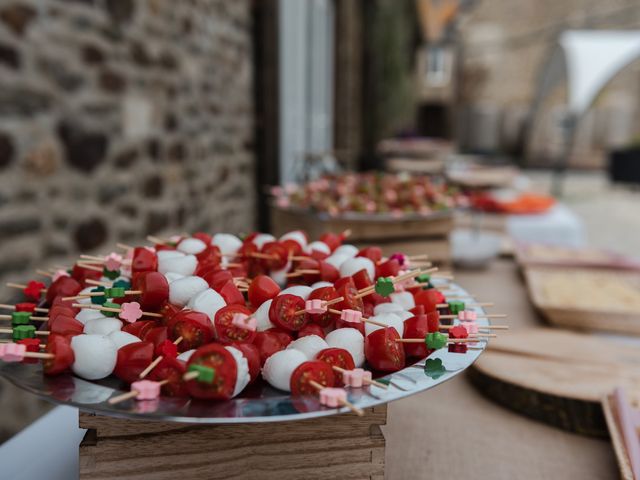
185	265
227	243
337	260
310	345
280	276
317	285
172	276
404	299
387	308
95	356
301	291
102	326
192	246
208	302
167	254
120	338
349	250
262	238
86	314
318	246
278	368
354	265
242	370
183	289
390	319
351	340
296	236
185	356
404	315
262	316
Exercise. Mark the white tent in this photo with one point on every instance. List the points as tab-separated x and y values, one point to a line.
588	60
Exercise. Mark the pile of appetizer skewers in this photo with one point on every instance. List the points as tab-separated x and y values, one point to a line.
204	316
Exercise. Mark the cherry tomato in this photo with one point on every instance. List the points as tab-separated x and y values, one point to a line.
383	352
311	329
65	325
280	255
132	360
195	328
205	237
268	343
144	260
372	253
328	273
418	310
361	279
139	328
82	274
348	291
155	290
306	372
338	357
309	264
252	354
325	294
282	312
332	240
61	310
285	337
428	299
390	268
247	248
63	356
218	358
226	331
156	335
168	310
418	327
217	279
210	257
63	287
171	369
231	294
293	247
318	255
262	288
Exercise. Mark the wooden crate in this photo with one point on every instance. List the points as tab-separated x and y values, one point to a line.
339	446
430	233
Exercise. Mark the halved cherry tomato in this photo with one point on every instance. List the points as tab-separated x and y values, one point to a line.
279	253
231	294
262	288
372	253
139	328
132	360
60	347
217	279
155	290
361	279
418	327
348	291
65	325
390	268
252	354
171	369
268	343
306	372
338	357
168	310
226	331
383	352
210	257
282	312
195	328
156	335
325	294
311	329
218	358
63	287
144	260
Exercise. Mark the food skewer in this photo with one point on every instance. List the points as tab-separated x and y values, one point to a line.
159	358
15	307
131	308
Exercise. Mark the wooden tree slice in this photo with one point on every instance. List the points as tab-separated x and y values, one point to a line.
557	377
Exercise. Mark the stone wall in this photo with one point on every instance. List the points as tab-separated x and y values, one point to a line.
118	119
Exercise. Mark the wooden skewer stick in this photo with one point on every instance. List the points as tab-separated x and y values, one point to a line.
13	307
298	273
449	340
109	309
37	332
90	267
156	362
484	304
190	376
346	403
481	327
157	240
370	382
489	315
8	317
124	246
44	273
328	303
366	320
131	394
98	283
100	294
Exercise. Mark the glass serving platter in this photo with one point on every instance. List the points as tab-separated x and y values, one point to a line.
257	404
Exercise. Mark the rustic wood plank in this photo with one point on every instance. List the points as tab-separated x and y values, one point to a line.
611	415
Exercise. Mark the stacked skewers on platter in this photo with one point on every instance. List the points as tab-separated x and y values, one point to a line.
202	317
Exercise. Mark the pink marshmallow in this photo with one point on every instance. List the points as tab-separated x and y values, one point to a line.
467	316
470	327
130	312
147	389
12	352
351	316
333	397
315	306
356	378
244	322
148	406
113	261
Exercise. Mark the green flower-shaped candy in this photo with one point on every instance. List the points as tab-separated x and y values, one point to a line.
24	331
435	341
111	274
433	368
110	305
384	286
20	318
114	292
98	300
456	306
122	284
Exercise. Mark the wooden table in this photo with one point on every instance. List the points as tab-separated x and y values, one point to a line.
454	432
